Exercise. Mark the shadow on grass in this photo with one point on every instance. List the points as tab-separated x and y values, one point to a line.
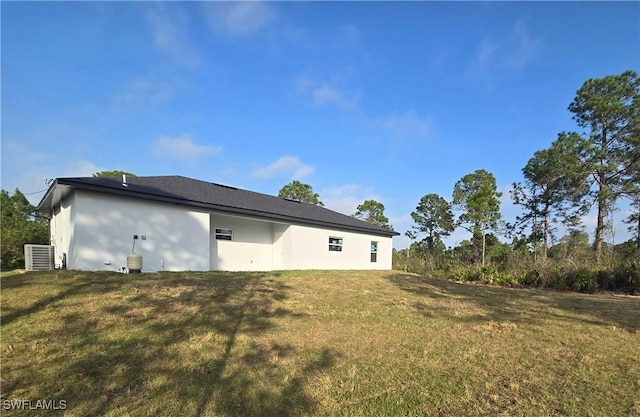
521	305
11	314
170	344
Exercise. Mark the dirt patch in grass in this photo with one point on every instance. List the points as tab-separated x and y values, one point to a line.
313	343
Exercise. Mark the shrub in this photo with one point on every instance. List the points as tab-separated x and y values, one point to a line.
531	278
487	274
625	278
583	279
607	280
555	277
504	278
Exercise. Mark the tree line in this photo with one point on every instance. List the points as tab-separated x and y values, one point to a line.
581	171
593	169
21	224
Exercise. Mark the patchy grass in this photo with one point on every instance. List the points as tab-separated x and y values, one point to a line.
314	343
11	272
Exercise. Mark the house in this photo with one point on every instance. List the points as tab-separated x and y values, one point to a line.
179	224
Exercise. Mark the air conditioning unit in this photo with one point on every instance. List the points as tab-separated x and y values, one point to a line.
38	257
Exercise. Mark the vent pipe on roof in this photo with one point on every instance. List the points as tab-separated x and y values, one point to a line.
124	181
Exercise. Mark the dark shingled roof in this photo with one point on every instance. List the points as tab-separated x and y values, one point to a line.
222	198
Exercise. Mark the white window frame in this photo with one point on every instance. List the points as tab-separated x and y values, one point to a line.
374	251
222	233
336	243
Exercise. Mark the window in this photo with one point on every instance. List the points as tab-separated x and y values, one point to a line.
374	251
335	244
224	234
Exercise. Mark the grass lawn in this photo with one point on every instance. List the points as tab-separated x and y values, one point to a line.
314	343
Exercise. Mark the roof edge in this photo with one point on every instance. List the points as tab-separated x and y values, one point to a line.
125	192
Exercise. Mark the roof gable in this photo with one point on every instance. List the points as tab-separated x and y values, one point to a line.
196	193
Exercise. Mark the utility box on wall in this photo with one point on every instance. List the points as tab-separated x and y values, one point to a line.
38	257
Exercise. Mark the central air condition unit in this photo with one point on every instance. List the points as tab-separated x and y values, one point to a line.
38	257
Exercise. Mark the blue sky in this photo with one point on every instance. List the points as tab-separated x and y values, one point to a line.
383	100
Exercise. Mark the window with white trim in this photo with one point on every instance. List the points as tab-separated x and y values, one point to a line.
335	244
224	234
374	251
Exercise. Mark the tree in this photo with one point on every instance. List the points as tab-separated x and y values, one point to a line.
609	108
411	236
632	192
372	212
476	196
21	224
633	220
102	174
555	186
572	247
433	216
298	191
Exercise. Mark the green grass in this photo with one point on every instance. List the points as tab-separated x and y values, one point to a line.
314	343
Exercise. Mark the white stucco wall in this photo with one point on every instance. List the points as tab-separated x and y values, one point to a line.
262	246
281	252
251	248
96	232
177	238
61	231
311	250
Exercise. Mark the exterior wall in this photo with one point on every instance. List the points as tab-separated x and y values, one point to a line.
176	238
251	249
281	247
312	250
96	231
263	246
61	232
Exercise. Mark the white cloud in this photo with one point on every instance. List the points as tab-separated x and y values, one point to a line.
238	18
524	48
145	92
401	223
325	93
34	180
181	147
398	126
486	54
14	150
30	171
285	166
513	51
81	168
169	26
405	126
346	198
350	36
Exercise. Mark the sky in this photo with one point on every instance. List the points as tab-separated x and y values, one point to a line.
362	100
